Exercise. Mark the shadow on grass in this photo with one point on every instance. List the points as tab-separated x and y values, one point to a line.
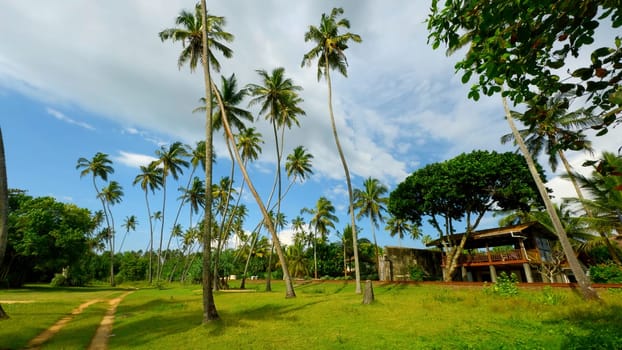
594	327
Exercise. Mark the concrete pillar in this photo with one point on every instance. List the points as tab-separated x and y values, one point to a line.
465	276
493	273
527	269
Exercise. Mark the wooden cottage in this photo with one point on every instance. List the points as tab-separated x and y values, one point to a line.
524	250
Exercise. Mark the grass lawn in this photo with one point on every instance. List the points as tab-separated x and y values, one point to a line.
324	315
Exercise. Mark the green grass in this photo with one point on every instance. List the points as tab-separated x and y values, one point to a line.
326	315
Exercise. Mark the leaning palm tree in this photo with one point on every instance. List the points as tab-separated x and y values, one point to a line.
329	51
172	160
371	201
322	218
129	224
4	211
111	195
150	179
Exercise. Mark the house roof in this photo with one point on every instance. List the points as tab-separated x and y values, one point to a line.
497	232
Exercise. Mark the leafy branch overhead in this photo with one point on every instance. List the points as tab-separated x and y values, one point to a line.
532	45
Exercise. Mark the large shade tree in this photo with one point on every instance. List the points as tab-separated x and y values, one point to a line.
329	50
523	49
463	189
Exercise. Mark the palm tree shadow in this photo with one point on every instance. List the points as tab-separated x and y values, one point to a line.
601	327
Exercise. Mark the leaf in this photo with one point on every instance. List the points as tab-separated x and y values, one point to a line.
466	76
616	97
583	73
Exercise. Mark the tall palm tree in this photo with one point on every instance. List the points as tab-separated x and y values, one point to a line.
371	202
4	211
329	51
129	224
100	166
172	160
189	32
280	221
150	179
322	218
249	142
111	195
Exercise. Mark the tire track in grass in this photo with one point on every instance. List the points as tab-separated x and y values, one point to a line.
100	340
47	334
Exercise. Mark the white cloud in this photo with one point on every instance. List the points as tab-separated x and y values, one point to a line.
60	116
133	160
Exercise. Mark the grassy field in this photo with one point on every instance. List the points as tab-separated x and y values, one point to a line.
325	315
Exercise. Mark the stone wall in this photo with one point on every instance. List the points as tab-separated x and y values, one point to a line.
397	262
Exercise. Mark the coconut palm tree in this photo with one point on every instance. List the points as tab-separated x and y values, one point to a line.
371	202
189	32
129	224
150	179
4	211
249	142
329	50
322	218
172	160
111	195
401	228
280	221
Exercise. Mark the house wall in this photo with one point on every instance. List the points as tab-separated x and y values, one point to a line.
397	262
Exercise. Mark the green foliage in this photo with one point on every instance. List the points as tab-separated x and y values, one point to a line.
417	273
549	297
606	273
505	285
59	280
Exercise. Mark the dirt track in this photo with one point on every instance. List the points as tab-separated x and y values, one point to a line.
99	341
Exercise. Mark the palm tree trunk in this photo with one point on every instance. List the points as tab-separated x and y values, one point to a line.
610	248
289	287
357	270
150	238
209	307
315	253
159	265
373	234
4	211
584	283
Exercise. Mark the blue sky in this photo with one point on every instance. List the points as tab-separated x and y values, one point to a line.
77	78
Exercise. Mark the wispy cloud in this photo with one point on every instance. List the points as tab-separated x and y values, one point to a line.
133	160
62	117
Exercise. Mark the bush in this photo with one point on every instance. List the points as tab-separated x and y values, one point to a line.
59	280
505	286
606	273
417	273
549	297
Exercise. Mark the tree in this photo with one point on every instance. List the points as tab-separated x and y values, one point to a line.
526	45
401	227
322	218
129	224
4	211
172	160
111	195
371	202
100	167
329	51
463	189
151	177
189	31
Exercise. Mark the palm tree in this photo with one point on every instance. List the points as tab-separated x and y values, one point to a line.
129	224
371	201
150	178
322	218
329	51
280	222
401	228
298	165
249	142
4	211
189	32
110	195
552	130
171	159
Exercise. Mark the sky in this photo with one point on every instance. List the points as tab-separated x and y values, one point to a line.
81	77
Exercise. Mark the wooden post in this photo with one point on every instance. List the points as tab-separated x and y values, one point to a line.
368	295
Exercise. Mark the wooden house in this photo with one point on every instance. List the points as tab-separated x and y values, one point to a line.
524	250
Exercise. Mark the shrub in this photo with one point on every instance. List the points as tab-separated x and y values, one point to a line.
59	280
505	285
606	273
417	273
549	297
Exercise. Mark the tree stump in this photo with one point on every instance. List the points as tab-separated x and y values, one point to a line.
3	314
368	294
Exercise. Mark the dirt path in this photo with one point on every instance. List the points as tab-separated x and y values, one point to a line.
99	341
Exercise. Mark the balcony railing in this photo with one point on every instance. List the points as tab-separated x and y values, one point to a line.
488	258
